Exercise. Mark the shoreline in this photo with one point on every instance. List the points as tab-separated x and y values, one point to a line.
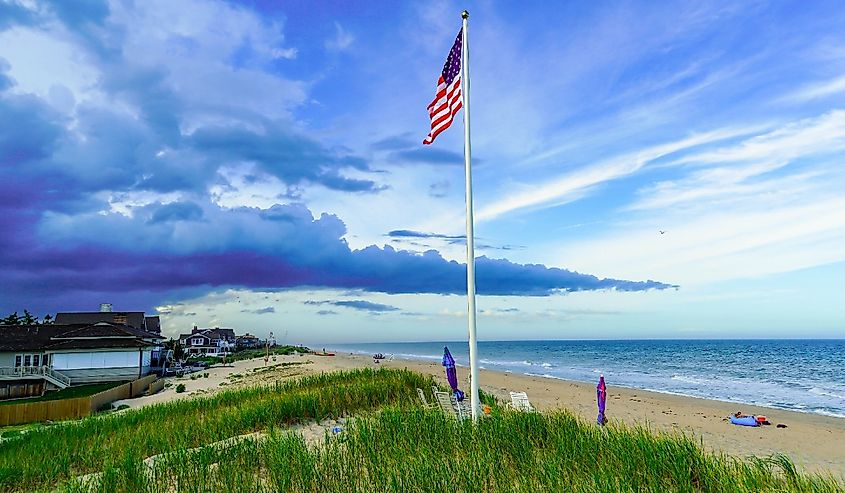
772	407
815	442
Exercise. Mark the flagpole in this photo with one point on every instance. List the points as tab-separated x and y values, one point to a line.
473	346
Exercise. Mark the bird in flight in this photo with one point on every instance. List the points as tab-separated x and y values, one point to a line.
662	232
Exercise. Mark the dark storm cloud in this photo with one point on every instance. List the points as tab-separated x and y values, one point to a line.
62	169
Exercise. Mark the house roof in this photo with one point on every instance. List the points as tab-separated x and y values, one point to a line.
195	334
98	344
28	337
50	337
133	319
220	333
102	329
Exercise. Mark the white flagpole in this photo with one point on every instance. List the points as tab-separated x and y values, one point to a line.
473	346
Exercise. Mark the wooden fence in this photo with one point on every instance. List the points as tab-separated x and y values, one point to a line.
78	407
139	387
156	386
31	412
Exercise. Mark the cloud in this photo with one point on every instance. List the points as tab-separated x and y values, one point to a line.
765	204
243	247
280	153
327	312
155	110
747	168
430	156
404	149
175	211
572	186
818	90
14	14
261	311
361	305
108	183
406	233
342	39
394	142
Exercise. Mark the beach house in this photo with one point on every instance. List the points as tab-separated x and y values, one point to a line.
248	341
38	358
208	342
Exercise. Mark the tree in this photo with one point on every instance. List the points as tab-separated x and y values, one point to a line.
178	352
48	319
28	319
13	319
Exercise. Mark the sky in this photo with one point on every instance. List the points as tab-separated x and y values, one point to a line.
640	169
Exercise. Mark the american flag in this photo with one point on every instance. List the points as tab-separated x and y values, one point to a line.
448	99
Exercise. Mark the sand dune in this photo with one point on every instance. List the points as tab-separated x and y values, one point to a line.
816	443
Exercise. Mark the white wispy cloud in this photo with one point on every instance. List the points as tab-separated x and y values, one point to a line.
342	39
818	90
768	204
572	186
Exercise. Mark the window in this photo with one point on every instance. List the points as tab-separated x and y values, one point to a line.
27	360
36	360
18	360
45	360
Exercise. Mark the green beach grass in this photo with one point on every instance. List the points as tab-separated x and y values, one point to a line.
392	445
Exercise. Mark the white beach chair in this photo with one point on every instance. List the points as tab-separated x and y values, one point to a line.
448	404
461	409
425	403
519	401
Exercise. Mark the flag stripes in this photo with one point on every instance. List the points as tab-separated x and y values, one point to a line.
449	98
443	109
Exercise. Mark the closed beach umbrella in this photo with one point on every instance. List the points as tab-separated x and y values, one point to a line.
451	374
601	398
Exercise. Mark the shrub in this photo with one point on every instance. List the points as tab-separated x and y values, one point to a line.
180	388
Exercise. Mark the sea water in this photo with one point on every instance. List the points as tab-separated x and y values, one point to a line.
799	375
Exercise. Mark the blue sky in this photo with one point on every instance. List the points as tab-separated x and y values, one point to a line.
259	165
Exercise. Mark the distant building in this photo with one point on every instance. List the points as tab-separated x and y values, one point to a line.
210	342
248	341
37	358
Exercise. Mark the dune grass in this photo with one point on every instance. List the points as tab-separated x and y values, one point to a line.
45	456
401	450
391	446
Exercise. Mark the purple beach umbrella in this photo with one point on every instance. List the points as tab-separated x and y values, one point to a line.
451	374
601	398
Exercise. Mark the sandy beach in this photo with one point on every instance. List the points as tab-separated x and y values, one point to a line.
816	443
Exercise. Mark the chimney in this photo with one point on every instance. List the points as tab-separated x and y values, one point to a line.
105	307
194	330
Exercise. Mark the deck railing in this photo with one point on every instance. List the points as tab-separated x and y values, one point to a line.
26	371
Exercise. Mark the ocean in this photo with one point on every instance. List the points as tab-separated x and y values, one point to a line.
798	375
